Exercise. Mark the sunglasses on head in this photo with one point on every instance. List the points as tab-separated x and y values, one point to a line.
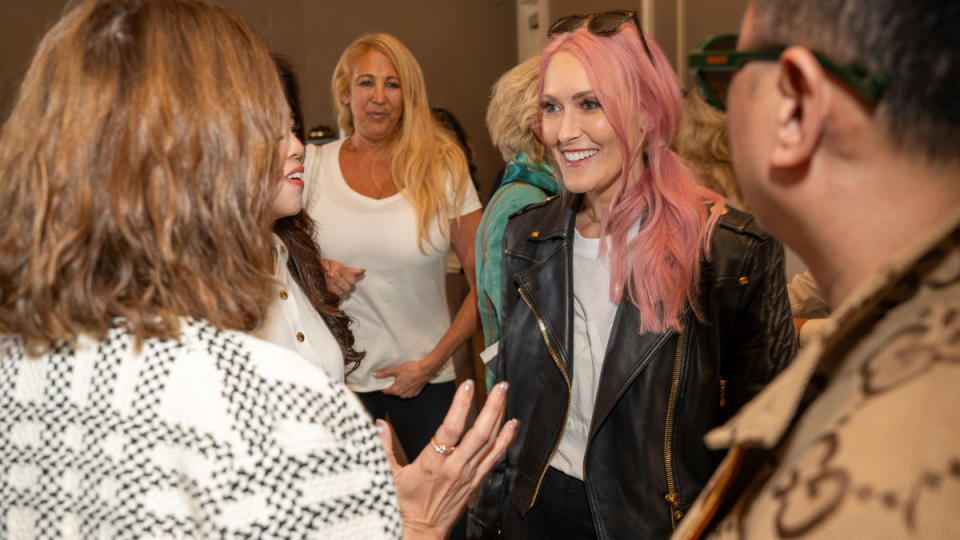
714	62
602	24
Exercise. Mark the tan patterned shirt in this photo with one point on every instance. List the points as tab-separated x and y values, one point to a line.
876	454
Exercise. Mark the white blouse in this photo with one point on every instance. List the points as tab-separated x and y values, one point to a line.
292	321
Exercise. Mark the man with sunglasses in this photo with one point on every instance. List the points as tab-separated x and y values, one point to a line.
845	129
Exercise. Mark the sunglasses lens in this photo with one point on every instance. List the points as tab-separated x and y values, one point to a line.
608	23
714	85
565	24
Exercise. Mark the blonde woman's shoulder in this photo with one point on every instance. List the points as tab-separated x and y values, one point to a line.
319	160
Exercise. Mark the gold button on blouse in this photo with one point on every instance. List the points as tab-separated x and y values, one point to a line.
283	294
300	337
743	280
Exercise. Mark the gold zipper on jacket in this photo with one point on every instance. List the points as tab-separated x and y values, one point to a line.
566	379
671	497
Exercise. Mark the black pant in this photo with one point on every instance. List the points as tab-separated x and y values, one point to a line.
414	420
560	512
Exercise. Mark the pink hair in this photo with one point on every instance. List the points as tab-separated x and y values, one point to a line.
660	267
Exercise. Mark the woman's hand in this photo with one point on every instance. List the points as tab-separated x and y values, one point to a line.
341	279
433	490
409	379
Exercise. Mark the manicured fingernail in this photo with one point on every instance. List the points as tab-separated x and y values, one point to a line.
467	387
502	388
381	425
513	424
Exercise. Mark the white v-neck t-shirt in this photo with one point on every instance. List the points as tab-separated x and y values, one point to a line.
399	306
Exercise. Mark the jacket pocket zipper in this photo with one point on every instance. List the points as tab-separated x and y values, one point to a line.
566	379
672	497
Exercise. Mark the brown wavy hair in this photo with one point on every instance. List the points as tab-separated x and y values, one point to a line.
139	165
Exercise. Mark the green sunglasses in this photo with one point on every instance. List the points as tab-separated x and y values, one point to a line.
714	62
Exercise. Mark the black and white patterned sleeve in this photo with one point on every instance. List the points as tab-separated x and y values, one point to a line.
314	467
214	435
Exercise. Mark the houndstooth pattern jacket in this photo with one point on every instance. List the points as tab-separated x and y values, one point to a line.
217	434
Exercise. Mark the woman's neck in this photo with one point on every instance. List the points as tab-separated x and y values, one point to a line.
373	147
270	246
590	215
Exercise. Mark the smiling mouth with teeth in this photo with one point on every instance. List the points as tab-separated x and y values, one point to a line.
578	156
295	176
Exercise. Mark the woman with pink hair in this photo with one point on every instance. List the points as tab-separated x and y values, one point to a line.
638	311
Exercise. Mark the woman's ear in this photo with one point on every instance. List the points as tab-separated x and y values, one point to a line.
803	91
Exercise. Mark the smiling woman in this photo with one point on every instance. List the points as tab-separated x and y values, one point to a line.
581	138
637	313
304	315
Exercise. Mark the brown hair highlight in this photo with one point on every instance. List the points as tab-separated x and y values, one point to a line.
139	165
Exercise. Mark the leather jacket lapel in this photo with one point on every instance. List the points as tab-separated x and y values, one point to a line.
550	276
537	284
628	353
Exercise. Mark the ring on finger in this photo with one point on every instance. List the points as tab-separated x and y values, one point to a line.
441	449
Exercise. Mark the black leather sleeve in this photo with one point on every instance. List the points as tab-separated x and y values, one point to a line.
764	339
484	518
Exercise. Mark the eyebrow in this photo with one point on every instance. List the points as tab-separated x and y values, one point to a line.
578	95
361	75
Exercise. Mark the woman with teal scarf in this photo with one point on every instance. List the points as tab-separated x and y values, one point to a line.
528	179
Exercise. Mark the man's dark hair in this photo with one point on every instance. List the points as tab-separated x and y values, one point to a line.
914	44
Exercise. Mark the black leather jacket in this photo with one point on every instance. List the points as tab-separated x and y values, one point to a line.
658	394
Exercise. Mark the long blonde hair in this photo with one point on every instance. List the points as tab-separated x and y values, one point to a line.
426	162
134	187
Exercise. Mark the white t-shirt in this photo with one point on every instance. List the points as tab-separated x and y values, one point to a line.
399	306
593	315
294	323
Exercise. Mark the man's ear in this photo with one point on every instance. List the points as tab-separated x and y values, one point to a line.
804	94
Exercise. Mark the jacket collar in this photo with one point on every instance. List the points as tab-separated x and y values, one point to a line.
558	220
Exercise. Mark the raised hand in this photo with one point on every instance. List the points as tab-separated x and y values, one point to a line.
433	490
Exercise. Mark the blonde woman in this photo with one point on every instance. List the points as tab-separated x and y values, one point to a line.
511	120
389	201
